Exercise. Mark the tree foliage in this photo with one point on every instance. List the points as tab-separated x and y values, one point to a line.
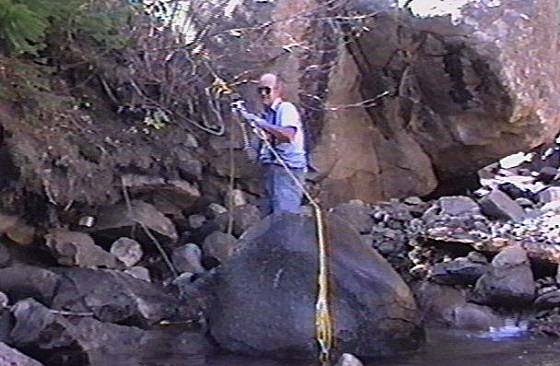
25	25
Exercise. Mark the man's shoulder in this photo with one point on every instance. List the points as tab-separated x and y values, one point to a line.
287	105
288	109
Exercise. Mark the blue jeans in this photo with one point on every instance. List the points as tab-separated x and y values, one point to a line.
282	194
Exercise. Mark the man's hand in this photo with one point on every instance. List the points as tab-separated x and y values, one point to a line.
252	118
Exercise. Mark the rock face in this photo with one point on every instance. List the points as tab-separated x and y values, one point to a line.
458	95
265	294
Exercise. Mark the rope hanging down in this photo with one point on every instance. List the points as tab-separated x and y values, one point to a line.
323	320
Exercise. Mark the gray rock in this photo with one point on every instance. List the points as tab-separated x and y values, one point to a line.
12	357
127	250
5	256
188	258
196	221
447	306
475	317
499	205
4	300
183	278
55	336
118	221
524	202
460	271
20	281
121	298
509	282
181	193
73	248
551	206
243	217
349	360
7	221
219	246
6	325
140	273
38	327
547	174
137	183
273	277
548	300
457	205
214	210
190	168
235	198
21	233
413	200
548	195
357	215
191	141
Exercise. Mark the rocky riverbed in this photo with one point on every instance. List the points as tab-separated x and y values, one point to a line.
216	279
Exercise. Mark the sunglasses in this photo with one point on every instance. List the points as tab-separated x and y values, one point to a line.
264	90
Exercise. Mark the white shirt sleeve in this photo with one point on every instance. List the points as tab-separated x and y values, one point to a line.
289	116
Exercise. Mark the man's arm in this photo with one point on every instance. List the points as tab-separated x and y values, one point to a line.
282	134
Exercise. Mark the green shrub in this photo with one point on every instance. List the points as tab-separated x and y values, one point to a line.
23	30
25	25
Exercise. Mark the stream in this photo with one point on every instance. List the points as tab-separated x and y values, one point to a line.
443	348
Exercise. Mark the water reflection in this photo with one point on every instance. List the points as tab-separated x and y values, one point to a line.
443	348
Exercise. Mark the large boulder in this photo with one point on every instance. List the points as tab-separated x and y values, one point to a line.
265	293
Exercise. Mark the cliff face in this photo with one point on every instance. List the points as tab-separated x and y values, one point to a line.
464	90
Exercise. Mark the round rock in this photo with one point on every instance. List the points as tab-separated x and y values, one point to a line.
127	251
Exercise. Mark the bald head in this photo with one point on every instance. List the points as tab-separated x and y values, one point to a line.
270	88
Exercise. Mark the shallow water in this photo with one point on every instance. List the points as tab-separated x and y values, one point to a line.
443	348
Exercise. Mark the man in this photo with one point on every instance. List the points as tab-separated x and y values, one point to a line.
282	124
